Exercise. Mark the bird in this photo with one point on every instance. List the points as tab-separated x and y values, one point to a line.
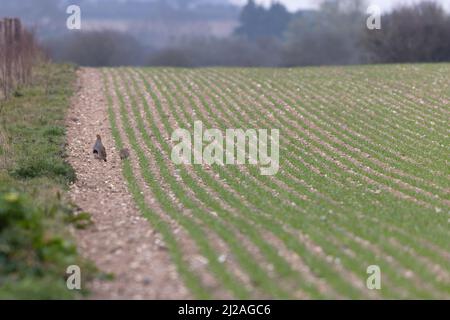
99	149
124	154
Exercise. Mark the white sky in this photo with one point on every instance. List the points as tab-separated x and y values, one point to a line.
385	5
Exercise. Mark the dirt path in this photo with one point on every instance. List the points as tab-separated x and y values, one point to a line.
121	241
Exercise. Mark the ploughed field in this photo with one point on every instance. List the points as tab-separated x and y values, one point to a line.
363	178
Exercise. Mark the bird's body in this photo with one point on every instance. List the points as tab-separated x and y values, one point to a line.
124	154
99	149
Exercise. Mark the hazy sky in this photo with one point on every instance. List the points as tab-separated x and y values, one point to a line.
301	4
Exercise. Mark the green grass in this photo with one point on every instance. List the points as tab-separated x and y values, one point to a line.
363	174
35	243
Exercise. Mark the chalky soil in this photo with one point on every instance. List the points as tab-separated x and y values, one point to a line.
120	241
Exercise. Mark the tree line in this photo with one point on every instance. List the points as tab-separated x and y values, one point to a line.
335	34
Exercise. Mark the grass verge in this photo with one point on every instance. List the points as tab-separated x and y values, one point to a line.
35	215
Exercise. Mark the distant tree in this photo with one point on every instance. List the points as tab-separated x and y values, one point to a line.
328	36
251	19
278	19
257	22
419	33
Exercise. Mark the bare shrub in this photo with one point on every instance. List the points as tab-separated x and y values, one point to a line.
97	49
230	52
417	33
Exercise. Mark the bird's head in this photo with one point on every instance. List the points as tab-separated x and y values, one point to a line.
98	137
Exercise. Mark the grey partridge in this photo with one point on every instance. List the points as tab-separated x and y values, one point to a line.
124	154
99	149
